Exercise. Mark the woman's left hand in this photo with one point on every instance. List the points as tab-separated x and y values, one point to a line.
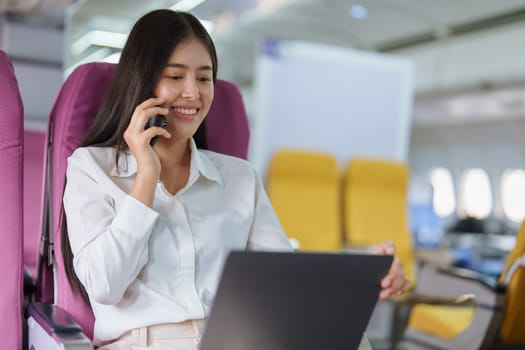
395	282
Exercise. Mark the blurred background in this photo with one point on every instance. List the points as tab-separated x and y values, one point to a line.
436	87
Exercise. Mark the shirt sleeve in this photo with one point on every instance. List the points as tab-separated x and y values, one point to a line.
266	232
109	244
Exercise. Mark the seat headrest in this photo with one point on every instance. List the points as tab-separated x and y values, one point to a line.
377	172
228	129
10	100
78	102
303	165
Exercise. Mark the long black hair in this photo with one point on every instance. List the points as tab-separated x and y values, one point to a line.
144	57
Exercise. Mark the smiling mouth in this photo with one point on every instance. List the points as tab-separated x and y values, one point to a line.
186	113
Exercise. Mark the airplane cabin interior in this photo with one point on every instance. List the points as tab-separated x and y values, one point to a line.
367	121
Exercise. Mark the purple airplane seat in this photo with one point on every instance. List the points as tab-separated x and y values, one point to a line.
11	202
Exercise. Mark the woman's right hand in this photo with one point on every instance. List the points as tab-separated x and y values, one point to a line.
138	138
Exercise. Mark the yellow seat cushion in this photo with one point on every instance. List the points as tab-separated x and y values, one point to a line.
443	321
304	189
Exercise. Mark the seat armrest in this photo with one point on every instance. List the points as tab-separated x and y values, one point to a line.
452	282
460	300
405	304
53	319
452	287
473	276
51	328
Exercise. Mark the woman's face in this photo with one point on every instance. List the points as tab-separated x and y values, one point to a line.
186	87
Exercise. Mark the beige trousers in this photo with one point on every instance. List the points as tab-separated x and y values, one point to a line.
173	336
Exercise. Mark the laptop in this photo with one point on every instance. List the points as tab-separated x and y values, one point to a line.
294	301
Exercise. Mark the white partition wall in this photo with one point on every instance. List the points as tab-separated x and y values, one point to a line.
338	100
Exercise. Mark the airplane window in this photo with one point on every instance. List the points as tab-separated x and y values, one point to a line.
444	200
513	194
476	194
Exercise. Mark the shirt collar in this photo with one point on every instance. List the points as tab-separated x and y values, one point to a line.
199	164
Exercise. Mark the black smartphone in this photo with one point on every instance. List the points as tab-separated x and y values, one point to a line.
156	120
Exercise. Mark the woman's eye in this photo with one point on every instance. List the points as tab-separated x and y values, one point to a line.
176	77
203	79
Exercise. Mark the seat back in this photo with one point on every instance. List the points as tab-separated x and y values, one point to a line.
228	129
11	204
513	276
304	190
375	206
73	113
75	108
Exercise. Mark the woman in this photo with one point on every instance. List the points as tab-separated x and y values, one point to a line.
149	227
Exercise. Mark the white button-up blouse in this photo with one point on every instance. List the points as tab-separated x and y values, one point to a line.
143	266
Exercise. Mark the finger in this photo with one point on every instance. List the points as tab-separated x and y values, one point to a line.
385	293
150	102
390	247
386	247
397	266
145	109
405	288
386	282
388	292
156	131
398	284
139	119
395	269
165	134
